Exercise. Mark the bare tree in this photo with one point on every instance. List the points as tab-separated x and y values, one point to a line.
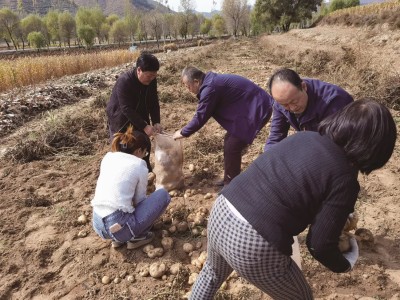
233	12
154	22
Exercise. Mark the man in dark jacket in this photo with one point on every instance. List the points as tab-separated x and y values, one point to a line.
134	100
301	103
240	106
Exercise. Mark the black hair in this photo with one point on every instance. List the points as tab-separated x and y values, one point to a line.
192	73
366	131
129	141
147	62
285	75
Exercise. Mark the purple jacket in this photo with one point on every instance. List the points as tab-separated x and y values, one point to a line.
240	106
324	99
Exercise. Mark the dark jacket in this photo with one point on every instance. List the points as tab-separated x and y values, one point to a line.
324	99
132	103
240	106
305	180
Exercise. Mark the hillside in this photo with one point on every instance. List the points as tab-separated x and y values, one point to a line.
108	6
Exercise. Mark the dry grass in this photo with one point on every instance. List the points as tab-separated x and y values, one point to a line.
71	134
30	71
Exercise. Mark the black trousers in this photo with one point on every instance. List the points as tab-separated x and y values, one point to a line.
233	150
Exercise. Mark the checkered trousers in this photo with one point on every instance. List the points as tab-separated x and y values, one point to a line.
234	245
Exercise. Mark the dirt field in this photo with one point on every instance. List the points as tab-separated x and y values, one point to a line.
50	163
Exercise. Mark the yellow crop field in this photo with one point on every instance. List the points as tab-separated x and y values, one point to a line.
32	70
369	9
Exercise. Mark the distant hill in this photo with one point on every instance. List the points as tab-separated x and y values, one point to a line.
209	15
40	7
118	7
364	2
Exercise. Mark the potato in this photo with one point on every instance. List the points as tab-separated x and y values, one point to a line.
208	196
192	168
172	229
351	223
187	247
175	268
365	235
192	278
182	226
147	248
164	233
82	219
105	280
202	210
131	278
157	270
167	243
156	252
203	257
190	217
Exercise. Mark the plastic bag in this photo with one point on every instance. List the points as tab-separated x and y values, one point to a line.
168	162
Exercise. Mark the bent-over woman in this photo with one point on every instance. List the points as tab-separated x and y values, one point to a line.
308	179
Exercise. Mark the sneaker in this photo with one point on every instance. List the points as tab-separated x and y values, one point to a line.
115	244
140	241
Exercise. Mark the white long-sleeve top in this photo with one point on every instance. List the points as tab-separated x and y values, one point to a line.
121	185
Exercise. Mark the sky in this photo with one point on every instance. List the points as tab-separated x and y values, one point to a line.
201	5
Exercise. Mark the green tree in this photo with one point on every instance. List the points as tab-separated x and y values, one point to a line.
9	25
105	32
87	34
111	19
132	23
218	27
67	27
53	30
340	4
36	39
119	32
92	17
283	12
31	23
205	27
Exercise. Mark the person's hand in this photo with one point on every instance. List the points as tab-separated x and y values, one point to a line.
149	130
157	128
177	135
352	255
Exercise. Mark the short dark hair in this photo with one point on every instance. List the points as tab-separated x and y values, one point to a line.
192	73
285	75
366	131
147	62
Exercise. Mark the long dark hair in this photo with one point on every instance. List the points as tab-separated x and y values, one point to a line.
365	130
129	141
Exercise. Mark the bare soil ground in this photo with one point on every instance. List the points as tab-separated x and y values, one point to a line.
50	156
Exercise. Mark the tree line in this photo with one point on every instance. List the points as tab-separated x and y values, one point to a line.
90	25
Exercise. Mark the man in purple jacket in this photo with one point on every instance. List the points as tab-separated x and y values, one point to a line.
301	103
240	106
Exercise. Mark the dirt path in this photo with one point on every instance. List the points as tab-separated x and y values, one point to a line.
47	254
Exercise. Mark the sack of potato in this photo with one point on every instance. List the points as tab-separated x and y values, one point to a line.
168	162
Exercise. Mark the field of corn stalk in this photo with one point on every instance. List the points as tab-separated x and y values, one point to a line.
33	70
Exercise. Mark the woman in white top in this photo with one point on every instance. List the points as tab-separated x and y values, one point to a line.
121	210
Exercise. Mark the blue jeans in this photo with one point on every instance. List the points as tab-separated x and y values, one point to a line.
133	224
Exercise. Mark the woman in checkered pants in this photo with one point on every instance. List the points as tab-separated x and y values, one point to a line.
308	179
